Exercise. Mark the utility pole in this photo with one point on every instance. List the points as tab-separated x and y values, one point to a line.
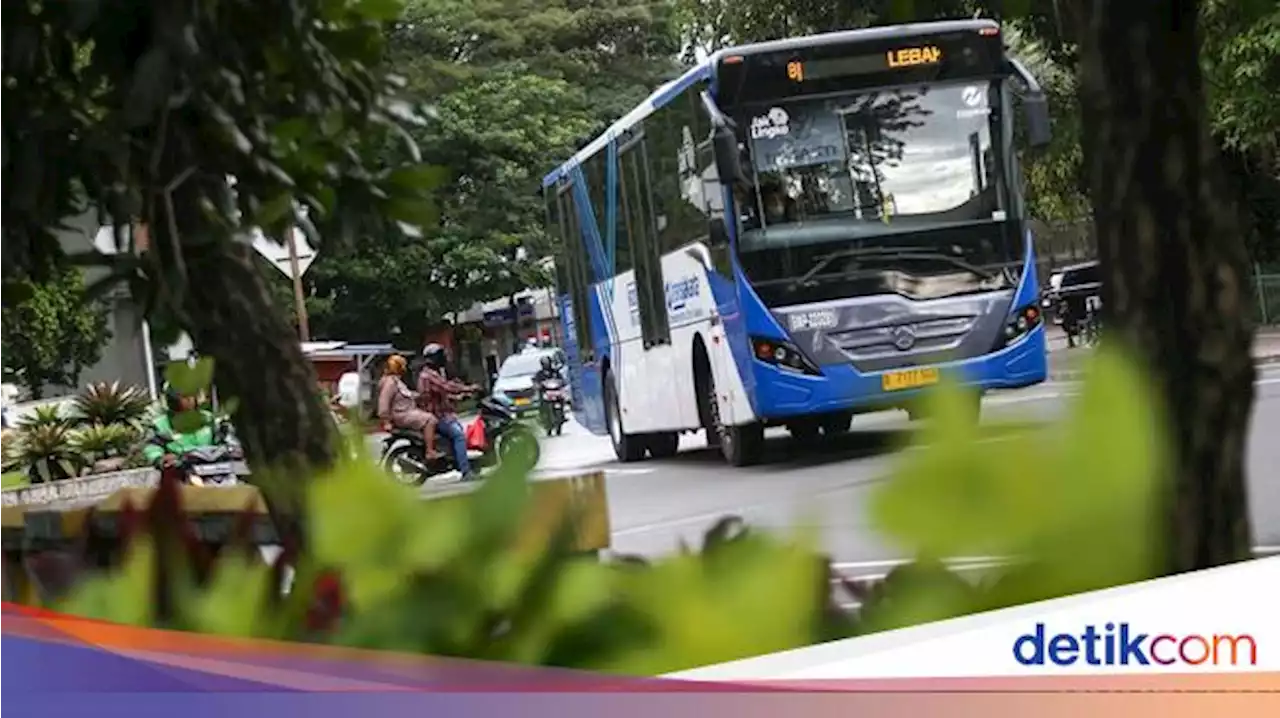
299	298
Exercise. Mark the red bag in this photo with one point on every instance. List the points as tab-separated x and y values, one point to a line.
475	435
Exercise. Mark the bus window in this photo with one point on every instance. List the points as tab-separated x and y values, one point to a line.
555	228
579	274
649	295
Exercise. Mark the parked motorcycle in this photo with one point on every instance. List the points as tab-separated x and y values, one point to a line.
552	401
489	437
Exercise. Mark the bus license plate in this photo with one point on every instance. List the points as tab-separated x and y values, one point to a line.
908	379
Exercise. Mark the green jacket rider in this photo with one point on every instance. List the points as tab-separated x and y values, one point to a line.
168	444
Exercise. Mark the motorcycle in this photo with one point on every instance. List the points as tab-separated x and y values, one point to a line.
221	464
552	401
218	465
489	437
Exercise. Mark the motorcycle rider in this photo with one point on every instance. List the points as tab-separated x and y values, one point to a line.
438	395
547	372
398	405
167	443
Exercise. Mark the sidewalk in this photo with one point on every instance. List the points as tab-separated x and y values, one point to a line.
1064	362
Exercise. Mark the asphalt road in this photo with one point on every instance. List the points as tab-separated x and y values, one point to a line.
656	504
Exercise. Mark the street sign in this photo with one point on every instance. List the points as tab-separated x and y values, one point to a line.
278	252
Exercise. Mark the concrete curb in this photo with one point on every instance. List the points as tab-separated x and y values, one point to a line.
1077	375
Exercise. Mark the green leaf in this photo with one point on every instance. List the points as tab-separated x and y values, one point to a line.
190	380
954	493
274	210
230	405
380	10
419	177
228	606
122	597
188	422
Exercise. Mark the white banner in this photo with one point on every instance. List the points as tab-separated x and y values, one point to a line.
1222	620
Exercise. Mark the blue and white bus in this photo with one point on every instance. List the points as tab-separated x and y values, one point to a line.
796	231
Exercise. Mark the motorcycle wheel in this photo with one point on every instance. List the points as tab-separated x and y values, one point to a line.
399	462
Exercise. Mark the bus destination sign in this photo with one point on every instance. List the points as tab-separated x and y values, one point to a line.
912	56
904	57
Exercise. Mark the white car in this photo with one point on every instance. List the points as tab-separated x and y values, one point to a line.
515	377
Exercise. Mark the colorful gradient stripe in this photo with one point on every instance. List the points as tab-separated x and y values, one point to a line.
57	664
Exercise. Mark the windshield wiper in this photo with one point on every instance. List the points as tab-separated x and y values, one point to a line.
889	253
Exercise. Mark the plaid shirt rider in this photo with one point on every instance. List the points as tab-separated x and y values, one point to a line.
436	393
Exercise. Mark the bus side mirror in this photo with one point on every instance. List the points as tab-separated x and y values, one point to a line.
1039	131
728	157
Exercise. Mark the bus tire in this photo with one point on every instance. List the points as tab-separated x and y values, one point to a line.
626	447
837	423
664	445
804	431
742	445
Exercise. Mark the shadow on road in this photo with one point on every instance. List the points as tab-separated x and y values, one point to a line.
783	452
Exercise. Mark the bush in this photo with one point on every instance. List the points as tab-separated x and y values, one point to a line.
106	447
103	404
1070	504
49	415
45	452
8	445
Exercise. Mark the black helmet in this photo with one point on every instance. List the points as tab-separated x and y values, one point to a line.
546	363
433	355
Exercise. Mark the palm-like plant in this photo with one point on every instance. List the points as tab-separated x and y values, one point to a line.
50	415
105	447
103	403
45	452
9	440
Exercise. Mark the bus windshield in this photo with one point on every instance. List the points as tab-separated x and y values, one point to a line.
871	164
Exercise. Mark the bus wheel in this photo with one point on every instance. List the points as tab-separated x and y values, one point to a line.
837	423
804	431
742	445
664	445
626	447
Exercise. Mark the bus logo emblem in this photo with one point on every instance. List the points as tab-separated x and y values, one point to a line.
768	126
904	337
972	96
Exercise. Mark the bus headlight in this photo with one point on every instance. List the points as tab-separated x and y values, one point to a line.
783	355
1023	321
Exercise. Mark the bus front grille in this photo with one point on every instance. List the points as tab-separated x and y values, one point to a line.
904	341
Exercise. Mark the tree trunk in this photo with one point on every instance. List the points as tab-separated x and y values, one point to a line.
281	421
1172	248
224	305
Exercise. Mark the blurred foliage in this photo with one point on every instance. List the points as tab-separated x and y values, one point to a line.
1070	504
1074	505
52	329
